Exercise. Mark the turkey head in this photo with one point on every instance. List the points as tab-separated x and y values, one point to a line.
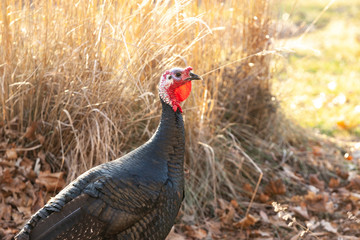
175	86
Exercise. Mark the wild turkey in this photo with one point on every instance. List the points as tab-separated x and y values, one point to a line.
134	197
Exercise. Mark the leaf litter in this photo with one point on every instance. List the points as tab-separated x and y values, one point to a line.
295	204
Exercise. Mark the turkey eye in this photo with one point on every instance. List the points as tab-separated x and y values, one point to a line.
169	77
178	74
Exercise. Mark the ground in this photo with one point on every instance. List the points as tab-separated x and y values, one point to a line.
316	194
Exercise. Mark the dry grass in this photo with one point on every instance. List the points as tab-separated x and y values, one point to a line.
88	71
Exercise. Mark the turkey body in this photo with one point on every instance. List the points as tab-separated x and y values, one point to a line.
134	197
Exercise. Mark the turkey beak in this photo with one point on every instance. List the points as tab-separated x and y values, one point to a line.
193	76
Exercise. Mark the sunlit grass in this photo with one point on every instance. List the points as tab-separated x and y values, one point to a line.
320	87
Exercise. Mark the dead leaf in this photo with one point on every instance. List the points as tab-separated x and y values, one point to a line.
26	211
5	176
343	174
44	164
317	151
354	184
342	124
348	207
26	162
234	203
258	234
328	227
5	212
189	219
40	138
330	207
51	181
313	179
248	189
334	183
263	197
300	211
39	202
214	227
18	185
227	217
297	199
264	216
276	187
291	174
354	197
174	236
316	202
7	163
11	154
197	233
246	222
30	131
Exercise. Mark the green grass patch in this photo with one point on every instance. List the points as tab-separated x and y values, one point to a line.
320	87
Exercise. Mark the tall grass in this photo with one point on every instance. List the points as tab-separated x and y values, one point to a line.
87	73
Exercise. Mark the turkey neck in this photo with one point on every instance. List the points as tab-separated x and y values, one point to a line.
169	138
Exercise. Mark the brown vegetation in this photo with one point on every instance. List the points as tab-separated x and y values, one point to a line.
86	75
79	86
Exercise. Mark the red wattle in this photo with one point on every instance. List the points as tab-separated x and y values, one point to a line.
183	92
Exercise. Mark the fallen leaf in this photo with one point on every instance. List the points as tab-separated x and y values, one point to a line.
11	154
5	212
26	211
343	174
7	163
297	236
263	197
276	187
291	174
342	124
316	202
317	151
214	227
39	202
300	211
174	236
334	183
26	162
354	183
234	203
189	219
228	215
197	233
5	176
45	165
30	131
297	198
330	207
264	216
248	189
18	217
246	222
18	185
313	179
354	197
40	138
327	226
51	181
258	234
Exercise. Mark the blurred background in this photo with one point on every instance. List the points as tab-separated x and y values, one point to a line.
272	132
